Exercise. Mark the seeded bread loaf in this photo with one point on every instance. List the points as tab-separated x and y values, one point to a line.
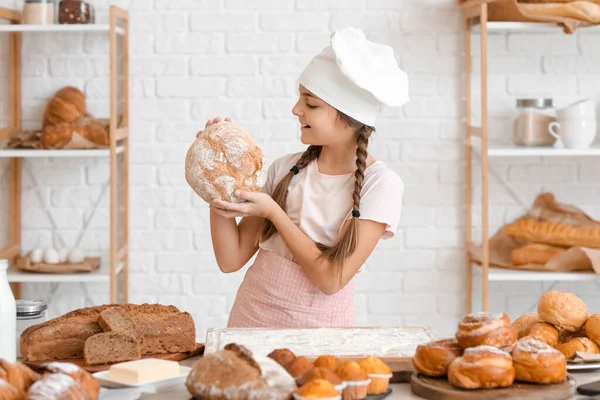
116	319
64	337
111	347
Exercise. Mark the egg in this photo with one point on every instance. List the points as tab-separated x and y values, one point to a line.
76	256
36	255
63	254
51	256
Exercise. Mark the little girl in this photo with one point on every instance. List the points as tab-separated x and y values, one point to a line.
321	212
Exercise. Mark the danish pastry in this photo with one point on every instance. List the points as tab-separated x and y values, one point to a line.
482	367
484	328
538	362
433	358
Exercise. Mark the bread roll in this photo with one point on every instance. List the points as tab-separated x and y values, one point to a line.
538	362
523	323
592	327
581	344
433	358
554	233
223	159
563	310
544	332
484	328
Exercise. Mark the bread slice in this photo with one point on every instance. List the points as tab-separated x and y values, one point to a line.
64	337
110	347
116	319
167	333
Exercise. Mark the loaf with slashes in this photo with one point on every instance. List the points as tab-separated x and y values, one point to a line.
224	158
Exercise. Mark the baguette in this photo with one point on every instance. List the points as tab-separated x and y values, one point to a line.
534	253
554	233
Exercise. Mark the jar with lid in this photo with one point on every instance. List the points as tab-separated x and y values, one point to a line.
75	12
29	313
39	12
530	125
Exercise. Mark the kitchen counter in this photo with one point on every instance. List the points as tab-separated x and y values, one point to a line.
399	391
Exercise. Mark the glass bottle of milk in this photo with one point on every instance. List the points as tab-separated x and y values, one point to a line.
8	317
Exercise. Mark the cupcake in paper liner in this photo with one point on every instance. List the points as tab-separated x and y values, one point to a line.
317	389
355	379
322	373
379	373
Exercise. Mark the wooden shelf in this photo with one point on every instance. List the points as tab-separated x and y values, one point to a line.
32	153
79	28
102	274
502	274
527	27
509	150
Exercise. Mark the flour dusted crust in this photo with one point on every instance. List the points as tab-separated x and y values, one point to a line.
223	159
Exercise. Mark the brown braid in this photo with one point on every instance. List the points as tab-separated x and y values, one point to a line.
347	244
281	191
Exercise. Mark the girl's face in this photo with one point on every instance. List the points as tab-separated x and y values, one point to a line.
320	124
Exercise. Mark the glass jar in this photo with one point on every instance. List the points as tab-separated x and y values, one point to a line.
38	12
75	12
530	126
29	313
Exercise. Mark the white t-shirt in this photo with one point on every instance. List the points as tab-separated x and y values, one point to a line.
320	204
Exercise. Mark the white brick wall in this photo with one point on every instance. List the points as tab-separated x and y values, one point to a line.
195	59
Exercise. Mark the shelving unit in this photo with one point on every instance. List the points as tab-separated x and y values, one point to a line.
475	14
117	263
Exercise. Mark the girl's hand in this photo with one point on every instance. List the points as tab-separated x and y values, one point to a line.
258	205
212	121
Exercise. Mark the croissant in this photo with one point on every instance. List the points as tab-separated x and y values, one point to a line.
554	233
18	375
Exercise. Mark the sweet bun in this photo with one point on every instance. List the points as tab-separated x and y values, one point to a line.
433	358
223	159
327	361
482	367
538	362
563	310
592	327
581	344
523	323
544	332
484	328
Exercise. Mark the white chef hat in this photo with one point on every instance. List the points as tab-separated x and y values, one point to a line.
356	76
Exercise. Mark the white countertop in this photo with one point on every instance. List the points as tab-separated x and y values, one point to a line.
399	391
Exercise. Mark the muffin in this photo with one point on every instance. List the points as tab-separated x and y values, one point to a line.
379	373
298	367
317	389
322	373
326	361
355	379
282	356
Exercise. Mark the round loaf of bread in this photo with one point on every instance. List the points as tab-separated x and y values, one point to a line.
563	310
223	159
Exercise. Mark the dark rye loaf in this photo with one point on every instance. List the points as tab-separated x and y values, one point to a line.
165	330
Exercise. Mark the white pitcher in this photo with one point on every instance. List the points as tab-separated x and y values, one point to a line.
8	317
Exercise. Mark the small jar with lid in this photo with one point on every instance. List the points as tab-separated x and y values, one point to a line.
29	313
39	12
75	12
530	125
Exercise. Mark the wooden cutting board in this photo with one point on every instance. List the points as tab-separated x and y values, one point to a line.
36	365
440	389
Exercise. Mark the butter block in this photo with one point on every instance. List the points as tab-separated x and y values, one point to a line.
139	371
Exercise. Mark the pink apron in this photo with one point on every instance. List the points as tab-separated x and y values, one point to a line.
276	293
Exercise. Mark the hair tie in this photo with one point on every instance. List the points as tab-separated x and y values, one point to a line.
295	170
355	213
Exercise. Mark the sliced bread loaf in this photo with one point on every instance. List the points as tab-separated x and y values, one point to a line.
117	320
110	347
